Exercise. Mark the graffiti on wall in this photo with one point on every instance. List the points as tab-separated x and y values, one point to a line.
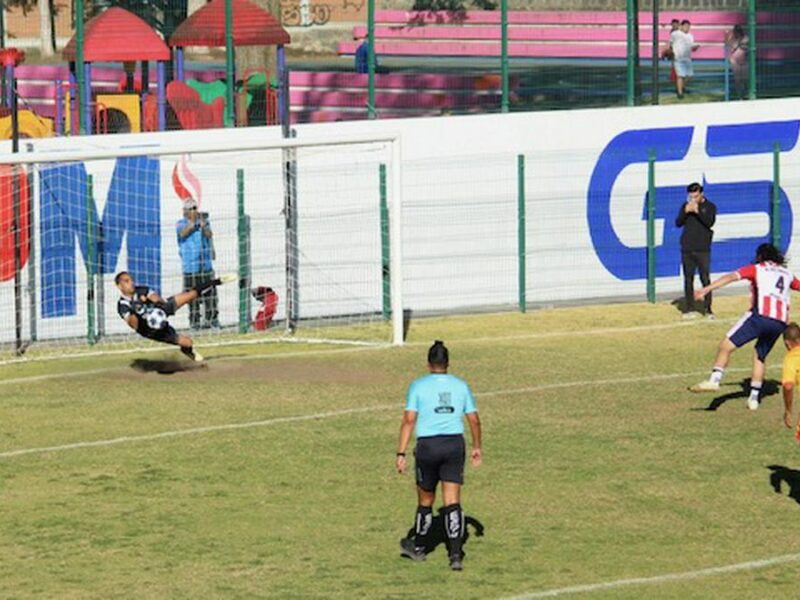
319	13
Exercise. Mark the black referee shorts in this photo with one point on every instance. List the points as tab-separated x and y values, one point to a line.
439	458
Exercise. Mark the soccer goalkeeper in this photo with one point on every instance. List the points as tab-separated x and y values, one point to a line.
146	312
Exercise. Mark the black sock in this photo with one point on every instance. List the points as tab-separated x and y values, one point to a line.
422	523
454	528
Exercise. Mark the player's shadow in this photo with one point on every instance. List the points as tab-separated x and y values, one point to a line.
770	388
407	314
682	307
163	366
781	475
436	536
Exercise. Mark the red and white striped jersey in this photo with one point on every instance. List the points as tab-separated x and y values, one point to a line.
770	288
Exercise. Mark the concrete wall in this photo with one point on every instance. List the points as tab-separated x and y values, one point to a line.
586	184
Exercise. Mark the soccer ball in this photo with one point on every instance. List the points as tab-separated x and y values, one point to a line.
156	318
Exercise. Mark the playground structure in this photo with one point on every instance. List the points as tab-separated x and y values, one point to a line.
251	26
122	100
29	124
115	35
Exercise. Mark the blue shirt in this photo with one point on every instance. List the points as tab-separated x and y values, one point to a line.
195	248
362	58
440	401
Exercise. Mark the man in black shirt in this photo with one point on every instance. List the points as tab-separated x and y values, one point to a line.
146	312
696	216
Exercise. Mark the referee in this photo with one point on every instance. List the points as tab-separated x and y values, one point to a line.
436	405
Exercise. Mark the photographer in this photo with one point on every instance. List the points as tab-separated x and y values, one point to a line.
696	216
196	247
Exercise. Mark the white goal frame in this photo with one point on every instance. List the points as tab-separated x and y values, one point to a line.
395	199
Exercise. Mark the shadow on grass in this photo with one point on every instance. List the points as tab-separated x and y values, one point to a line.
163	366
781	475
770	388
436	536
681	306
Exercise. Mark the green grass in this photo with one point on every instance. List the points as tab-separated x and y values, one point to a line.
585	483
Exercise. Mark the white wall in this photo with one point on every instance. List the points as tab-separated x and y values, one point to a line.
460	205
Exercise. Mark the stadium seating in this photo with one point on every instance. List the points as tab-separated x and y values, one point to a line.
339	96
555	34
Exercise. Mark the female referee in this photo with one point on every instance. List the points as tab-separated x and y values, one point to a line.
436	405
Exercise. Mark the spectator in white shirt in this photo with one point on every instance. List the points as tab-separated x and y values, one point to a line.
682	46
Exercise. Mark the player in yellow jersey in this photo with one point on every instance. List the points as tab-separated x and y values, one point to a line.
791	373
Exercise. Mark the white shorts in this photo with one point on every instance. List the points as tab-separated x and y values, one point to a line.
683	67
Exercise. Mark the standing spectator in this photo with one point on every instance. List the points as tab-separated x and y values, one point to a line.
736	41
362	57
696	216
436	406
683	45
196	247
667	53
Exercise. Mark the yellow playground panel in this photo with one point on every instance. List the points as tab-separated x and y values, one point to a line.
31	125
109	110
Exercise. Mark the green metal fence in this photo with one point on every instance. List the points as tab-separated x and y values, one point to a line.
460	58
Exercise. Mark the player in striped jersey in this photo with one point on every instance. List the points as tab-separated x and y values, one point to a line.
770	287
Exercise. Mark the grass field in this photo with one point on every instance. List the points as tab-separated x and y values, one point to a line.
599	467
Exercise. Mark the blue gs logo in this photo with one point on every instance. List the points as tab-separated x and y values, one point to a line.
672	144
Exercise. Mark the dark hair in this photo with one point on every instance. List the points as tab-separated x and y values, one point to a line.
792	333
769	253
675	21
685	22
119	275
738	31
694	187
438	354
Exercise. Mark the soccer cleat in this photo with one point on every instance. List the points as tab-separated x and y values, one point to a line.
690	315
192	354
228	278
456	563
753	403
704	386
710	316
409	550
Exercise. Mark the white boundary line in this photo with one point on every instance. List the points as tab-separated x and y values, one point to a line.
610	585
327	415
296	353
192	431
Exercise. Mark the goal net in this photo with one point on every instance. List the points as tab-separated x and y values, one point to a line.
310	228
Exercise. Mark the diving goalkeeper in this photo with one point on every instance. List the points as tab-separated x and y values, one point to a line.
146	312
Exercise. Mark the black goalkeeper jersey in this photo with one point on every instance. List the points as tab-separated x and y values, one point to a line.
136	306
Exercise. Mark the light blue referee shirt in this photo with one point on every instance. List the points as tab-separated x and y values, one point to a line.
440	401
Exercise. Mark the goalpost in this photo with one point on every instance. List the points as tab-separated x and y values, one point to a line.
311	226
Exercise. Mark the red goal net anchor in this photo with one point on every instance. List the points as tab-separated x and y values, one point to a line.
269	306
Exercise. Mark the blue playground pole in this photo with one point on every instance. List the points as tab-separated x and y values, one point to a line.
161	95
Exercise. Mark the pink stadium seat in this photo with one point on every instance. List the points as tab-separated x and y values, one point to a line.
557	34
